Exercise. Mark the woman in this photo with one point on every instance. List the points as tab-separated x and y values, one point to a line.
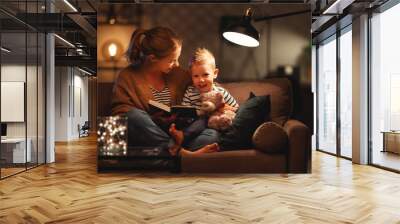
154	75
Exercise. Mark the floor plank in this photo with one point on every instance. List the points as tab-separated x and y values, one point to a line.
71	191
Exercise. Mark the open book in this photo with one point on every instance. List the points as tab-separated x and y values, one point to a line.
179	110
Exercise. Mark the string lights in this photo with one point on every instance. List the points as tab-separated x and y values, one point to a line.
111	136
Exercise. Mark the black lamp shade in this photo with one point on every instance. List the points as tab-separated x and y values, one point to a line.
243	34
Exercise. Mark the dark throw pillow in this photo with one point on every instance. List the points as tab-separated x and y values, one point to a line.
249	116
270	137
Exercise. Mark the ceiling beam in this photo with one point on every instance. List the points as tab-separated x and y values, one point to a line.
83	61
83	23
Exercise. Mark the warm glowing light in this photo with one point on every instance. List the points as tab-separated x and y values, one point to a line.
241	39
112	49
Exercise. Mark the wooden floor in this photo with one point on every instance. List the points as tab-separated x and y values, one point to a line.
71	191
10	171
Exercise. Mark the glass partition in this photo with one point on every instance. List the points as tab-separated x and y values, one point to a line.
15	150
22	91
385	89
334	94
326	96
346	93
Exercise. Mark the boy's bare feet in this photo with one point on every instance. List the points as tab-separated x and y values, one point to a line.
178	137
206	149
174	150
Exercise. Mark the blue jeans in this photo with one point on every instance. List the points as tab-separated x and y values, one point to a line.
193	130
142	131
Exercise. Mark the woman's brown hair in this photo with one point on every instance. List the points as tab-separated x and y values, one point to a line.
158	41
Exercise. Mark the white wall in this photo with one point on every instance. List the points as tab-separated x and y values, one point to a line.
16	73
33	127
71	93
62	80
80	110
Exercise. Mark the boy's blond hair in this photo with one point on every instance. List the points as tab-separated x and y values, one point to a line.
202	56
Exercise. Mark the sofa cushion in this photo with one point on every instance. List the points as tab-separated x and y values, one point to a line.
270	137
279	89
248	117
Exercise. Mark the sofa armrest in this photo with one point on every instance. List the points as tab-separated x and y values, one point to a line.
299	148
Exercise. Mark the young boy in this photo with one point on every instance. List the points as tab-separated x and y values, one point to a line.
203	72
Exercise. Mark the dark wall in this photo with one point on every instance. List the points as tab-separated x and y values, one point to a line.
284	42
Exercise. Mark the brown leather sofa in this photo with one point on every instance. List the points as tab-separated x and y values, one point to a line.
294	158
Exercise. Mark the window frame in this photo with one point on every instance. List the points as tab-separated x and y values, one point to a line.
346	27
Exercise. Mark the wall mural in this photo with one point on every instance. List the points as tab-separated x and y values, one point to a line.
178	96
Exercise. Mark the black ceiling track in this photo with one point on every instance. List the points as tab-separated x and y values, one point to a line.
79	61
